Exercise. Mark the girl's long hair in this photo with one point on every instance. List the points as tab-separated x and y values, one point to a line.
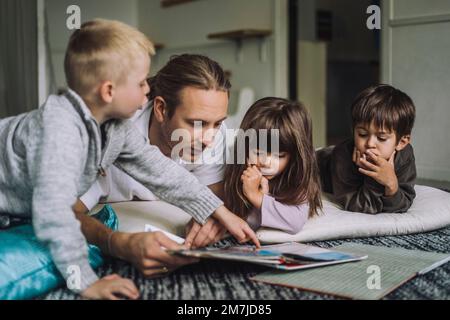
299	182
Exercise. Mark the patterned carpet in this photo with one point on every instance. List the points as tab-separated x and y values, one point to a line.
221	280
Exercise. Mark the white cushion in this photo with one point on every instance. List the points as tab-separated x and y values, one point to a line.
430	211
134	215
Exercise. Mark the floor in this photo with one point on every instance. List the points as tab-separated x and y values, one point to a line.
221	280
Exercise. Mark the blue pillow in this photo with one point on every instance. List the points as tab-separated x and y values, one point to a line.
26	267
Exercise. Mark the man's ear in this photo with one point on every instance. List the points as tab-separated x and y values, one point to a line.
159	109
404	141
107	91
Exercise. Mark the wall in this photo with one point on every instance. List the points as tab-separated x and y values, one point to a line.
312	69
416	50
312	78
352	41
187	25
18	57
353	62
125	11
184	29
306	20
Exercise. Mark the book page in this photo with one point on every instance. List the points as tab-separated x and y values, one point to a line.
384	270
152	228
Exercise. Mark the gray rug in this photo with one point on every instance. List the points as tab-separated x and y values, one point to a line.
221	280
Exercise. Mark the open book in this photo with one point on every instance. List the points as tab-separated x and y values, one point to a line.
285	256
383	271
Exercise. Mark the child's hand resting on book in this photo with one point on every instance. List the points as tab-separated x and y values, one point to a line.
112	287
236	226
198	236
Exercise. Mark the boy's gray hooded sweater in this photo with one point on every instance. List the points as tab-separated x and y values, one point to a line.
51	156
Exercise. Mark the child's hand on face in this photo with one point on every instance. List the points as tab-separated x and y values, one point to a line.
112	287
367	154
251	177
381	170
264	185
251	183
357	156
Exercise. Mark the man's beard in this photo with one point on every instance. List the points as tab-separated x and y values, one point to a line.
189	152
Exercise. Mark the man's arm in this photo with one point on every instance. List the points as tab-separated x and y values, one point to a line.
96	233
143	250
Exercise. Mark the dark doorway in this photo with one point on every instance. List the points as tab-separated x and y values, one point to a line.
353	62
353	54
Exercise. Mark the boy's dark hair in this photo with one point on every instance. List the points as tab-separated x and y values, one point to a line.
386	107
187	70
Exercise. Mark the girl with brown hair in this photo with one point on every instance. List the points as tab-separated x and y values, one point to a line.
277	185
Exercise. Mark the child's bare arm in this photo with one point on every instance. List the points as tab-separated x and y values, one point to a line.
198	236
236	226
176	185
166	179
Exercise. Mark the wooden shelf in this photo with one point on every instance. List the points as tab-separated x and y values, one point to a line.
170	3
240	34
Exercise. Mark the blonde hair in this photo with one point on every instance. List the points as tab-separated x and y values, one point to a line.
103	50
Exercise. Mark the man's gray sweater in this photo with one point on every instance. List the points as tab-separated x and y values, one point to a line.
51	156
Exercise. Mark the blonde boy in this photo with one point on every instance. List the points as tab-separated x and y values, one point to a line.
52	155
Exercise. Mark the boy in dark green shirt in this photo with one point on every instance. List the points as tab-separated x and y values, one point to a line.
375	171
